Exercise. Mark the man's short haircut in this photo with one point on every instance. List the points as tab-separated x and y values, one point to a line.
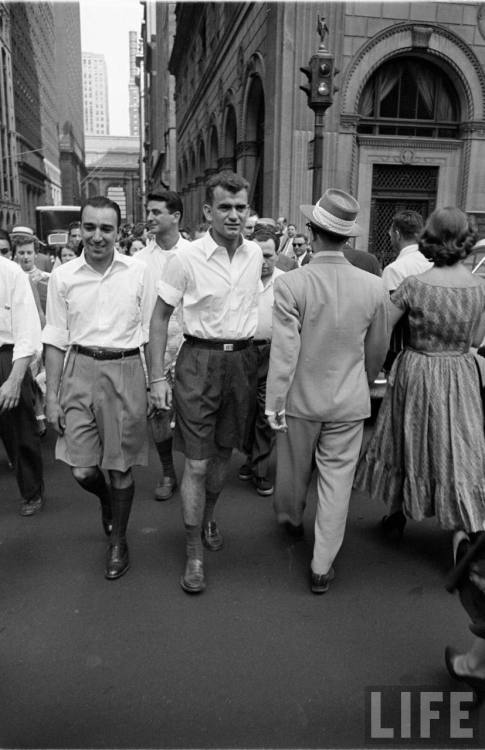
74	225
409	224
227	180
20	240
100	201
172	200
263	234
300	234
5	236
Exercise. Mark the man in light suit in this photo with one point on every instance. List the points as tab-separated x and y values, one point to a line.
330	338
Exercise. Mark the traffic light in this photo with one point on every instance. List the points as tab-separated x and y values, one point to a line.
320	86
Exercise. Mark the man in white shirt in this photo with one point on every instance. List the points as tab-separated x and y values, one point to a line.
19	341
405	229
217	281
164	213
261	437
98	308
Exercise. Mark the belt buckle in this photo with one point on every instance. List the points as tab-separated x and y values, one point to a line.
228	347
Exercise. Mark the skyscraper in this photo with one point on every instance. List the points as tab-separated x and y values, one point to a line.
95	94
133	90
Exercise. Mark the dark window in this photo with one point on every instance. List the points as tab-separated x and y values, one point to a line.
409	96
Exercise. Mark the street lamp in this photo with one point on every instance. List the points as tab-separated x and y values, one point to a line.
319	90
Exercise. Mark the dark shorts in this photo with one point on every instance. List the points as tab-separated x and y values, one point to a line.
214	397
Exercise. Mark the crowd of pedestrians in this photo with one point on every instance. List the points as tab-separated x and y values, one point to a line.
249	335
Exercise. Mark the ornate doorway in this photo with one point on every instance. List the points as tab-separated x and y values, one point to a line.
395	188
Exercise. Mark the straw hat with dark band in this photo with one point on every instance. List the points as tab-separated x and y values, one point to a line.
335	212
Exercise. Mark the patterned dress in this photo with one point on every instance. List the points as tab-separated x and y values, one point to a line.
428	449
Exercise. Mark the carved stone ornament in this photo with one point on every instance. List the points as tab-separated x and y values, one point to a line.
407	156
481	19
421	36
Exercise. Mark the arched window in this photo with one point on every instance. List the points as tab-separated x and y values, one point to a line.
409	96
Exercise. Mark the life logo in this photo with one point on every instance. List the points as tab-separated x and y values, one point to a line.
420	716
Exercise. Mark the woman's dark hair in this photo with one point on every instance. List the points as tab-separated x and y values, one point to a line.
448	236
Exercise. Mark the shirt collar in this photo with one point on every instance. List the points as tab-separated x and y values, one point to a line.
276	272
118	257
210	245
153	245
414	248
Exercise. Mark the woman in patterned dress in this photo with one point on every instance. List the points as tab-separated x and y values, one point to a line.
427	454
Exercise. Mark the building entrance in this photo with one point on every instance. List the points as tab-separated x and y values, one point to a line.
397	188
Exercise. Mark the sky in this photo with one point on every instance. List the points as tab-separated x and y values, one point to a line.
104	29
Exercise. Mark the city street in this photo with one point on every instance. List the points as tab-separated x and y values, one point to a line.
256	661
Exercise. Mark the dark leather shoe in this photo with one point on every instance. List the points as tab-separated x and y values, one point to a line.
263	486
320	583
245	473
107	525
212	537
117	560
294	531
29	507
193	581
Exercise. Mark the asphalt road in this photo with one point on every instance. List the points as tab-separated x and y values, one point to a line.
256	661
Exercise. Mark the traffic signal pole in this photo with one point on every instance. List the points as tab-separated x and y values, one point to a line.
319	90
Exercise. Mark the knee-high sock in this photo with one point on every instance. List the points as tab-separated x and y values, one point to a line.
98	486
121	506
164	449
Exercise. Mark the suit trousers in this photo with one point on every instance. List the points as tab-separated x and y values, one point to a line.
335	447
261	437
19	432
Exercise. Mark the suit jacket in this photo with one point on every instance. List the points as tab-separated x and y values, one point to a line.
285	263
361	259
329	323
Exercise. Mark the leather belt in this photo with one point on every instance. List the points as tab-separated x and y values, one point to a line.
261	342
222	346
105	354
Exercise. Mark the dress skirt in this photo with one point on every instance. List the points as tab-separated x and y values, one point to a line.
427	452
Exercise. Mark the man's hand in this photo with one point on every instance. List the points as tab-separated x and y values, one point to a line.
55	415
277	422
10	394
160	395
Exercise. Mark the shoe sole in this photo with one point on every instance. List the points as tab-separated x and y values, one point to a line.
245	477
161	499
325	588
30	511
265	493
211	547
191	589
118	575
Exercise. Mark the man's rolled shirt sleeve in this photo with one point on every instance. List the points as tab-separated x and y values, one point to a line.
55	331
172	287
26	331
285	347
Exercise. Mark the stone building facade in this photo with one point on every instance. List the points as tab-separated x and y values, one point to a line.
406	128
9	173
113	170
69	100
157	98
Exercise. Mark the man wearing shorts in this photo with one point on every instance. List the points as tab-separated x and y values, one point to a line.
164	212
98	308
217	280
